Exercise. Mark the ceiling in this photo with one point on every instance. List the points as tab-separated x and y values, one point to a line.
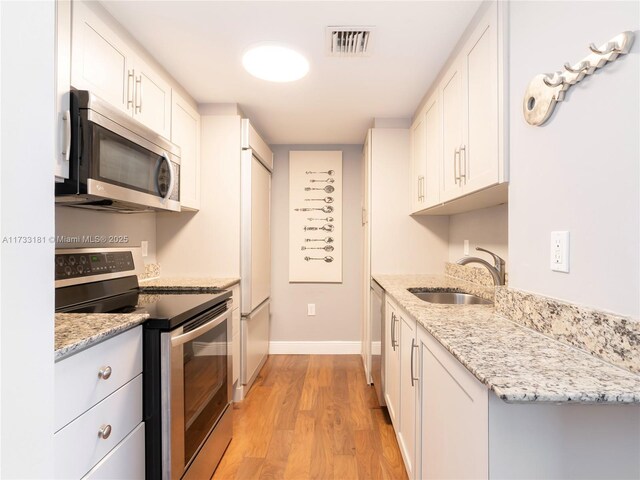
201	44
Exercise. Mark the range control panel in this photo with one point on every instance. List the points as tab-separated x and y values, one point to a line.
73	265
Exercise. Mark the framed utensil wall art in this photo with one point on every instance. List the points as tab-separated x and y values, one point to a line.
315	216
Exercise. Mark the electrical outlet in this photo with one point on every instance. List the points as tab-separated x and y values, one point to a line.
144	246
311	309
466	248
560	251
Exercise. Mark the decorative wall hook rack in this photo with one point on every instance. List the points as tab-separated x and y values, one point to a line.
545	90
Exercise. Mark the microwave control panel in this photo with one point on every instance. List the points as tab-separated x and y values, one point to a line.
73	265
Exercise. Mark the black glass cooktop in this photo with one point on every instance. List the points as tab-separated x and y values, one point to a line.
166	309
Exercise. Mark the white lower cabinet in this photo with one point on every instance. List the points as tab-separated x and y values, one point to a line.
450	426
124	461
392	363
409	387
453	414
99	432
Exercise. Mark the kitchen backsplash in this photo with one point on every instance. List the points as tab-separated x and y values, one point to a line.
151	270
468	273
612	338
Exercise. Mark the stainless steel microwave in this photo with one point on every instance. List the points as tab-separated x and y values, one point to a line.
115	162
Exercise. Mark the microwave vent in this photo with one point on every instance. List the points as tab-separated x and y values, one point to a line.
349	41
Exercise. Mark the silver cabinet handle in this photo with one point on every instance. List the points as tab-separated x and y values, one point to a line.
456	165
138	106
395	336
66	118
413	377
463	148
104	373
104	432
130	89
393	323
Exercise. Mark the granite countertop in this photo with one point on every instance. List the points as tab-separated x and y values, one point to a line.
190	284
519	364
77	331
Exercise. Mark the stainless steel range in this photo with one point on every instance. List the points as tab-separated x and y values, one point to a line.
187	356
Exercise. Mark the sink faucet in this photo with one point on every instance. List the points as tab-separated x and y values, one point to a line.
497	271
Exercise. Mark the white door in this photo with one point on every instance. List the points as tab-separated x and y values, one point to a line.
152	99
454	421
480	162
367	313
418	163
408	390
433	152
260	233
255	342
185	132
392	364
100	62
451	133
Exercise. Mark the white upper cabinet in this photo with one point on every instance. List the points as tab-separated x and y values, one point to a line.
63	84
185	132
418	162
464	119
100	61
104	64
452	113
480	166
152	99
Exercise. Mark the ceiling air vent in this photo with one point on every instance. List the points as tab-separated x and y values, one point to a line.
349	41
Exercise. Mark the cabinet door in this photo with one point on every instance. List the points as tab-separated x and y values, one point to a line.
479	158
63	85
418	163
451	133
185	132
433	152
408	391
392	364
152	99
100	62
454	415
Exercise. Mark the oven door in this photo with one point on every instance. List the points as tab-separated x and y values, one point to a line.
198	366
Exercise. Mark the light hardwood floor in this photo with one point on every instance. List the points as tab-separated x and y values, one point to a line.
311	417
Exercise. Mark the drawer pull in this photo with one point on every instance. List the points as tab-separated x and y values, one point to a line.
104	432
104	373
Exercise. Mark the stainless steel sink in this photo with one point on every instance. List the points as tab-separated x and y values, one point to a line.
449	297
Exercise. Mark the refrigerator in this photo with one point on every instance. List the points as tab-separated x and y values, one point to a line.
255	253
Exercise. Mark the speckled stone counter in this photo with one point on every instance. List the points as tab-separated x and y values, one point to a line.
194	284
77	331
518	364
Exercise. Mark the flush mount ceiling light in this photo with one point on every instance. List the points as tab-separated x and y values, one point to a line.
275	63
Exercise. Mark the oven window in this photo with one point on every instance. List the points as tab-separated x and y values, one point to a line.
126	164
205	386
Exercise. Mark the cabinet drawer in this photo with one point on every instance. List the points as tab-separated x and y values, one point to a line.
78	447
124	461
78	386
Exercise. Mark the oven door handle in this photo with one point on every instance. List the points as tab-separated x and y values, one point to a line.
187	337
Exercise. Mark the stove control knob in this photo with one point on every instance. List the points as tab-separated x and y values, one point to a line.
60	260
80	268
72	260
67	270
83	260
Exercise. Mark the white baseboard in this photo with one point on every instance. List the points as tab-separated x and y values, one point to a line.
315	348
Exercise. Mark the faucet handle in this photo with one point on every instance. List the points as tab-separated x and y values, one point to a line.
499	262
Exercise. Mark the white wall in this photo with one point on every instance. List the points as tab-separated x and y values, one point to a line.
579	172
207	243
26	201
78	222
338	306
486	228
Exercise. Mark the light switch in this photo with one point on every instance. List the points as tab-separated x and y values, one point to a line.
144	246
466	248
311	309
560	251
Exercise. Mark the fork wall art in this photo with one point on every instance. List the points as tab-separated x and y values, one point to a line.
315	217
